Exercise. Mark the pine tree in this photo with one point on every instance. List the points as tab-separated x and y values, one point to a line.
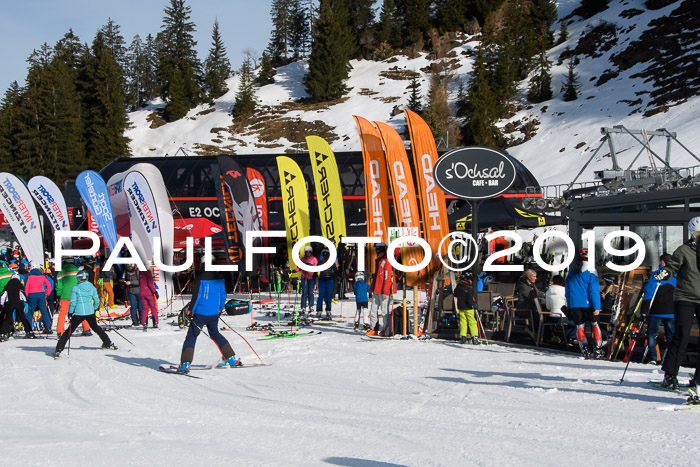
149	77
217	68
329	63
300	30
571	85
451	15
540	88
388	28
266	73
360	20
482	106
13	120
104	105
114	41
177	52
245	97
563	32
282	12
414	98
438	114
543	15
416	20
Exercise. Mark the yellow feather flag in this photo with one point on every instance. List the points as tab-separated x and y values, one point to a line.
328	191
295	202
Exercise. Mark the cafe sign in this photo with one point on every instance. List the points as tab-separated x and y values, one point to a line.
474	173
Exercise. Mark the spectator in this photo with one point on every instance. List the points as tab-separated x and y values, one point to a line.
382	287
361	289
466	304
661	311
555	301
527	294
67	279
307	280
325	285
131	279
37	289
583	300
12	302
148	296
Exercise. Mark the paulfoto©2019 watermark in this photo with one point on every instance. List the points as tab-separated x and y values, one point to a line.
450	243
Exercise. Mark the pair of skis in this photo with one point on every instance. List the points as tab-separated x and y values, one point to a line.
172	369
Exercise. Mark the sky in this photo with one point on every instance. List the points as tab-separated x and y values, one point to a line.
26	24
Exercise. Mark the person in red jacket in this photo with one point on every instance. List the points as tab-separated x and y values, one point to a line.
382	288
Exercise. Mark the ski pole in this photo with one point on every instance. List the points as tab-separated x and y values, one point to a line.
111	322
634	338
244	339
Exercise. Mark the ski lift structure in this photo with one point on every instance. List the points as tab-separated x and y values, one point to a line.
658	175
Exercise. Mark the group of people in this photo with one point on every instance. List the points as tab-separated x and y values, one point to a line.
26	290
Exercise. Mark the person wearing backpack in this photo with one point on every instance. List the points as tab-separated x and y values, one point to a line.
67	279
131	279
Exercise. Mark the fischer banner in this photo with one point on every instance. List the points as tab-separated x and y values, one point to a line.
244	206
403	189
295	202
376	185
432	199
328	191
51	200
93	191
19	211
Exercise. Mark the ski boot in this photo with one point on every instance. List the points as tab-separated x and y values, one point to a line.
599	353
145	327
56	354
229	362
29	335
476	340
47	332
155	325
4	337
670	382
365	327
184	368
318	314
87	333
463	340
693	398
109	346
329	317
586	352
356	326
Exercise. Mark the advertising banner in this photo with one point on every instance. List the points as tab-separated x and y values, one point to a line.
295	202
376	185
432	199
257	186
403	189
51	200
232	240
328	189
93	191
19	211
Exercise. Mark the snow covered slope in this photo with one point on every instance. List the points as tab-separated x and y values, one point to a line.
332	399
567	132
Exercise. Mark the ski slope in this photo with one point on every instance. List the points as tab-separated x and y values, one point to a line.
332	399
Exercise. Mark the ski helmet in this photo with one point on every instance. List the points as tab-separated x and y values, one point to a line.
308	249
694	226
359	276
15	276
82	276
380	247
466	276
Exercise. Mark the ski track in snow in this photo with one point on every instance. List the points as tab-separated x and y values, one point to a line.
332	399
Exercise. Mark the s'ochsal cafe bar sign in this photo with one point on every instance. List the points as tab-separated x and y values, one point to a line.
474	174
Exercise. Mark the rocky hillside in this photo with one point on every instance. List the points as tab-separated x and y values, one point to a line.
637	67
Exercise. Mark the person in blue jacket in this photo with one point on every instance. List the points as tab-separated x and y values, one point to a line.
583	300
361	289
208	301
661	311
84	302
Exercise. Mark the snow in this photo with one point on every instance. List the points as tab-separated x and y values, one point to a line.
332	399
551	155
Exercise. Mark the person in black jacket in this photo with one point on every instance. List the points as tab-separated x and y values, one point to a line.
466	306
13	300
661	311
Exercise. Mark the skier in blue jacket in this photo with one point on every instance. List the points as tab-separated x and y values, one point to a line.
361	289
661	311
208	301
583	299
84	302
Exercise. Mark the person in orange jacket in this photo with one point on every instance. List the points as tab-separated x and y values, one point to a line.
382	288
